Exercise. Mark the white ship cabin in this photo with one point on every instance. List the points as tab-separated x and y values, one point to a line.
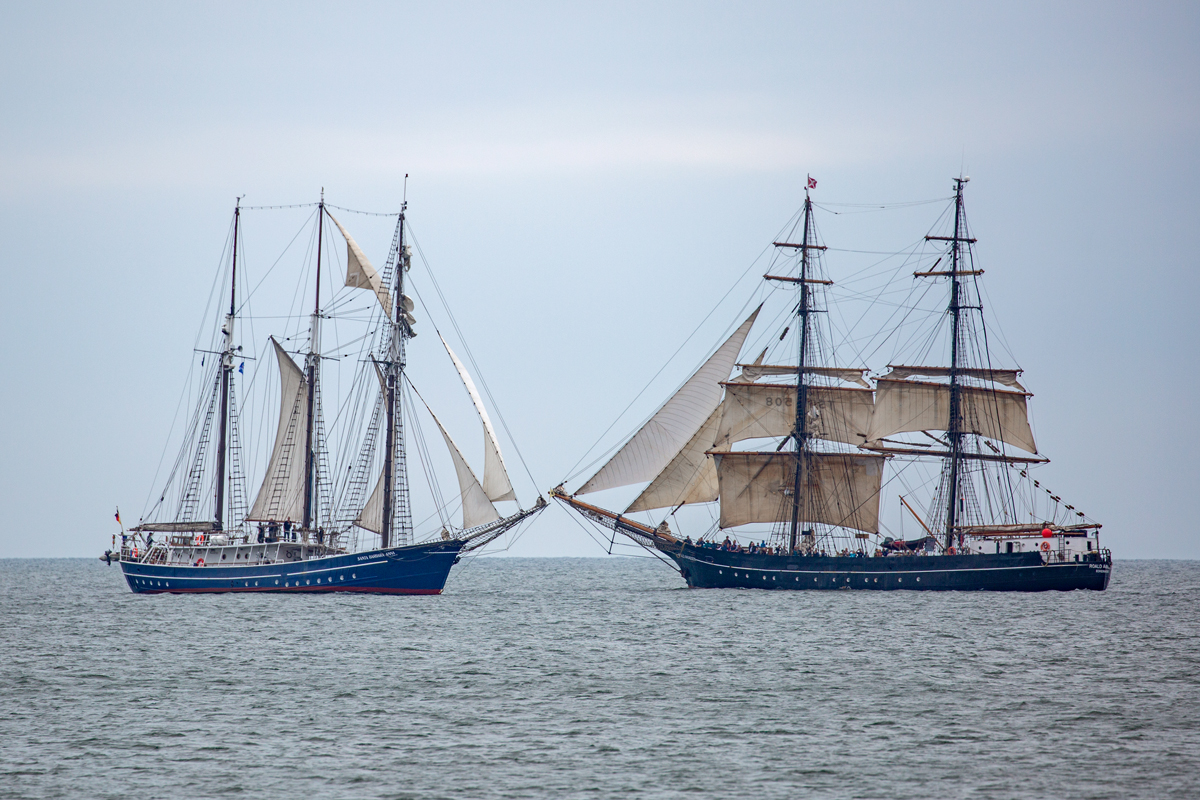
219	549
1057	545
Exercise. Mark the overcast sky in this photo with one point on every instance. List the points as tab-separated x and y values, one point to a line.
587	180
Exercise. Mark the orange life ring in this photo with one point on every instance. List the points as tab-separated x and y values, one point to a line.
135	553
950	551
200	562
1045	547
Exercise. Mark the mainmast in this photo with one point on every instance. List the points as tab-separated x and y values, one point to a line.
226	375
954	431
313	359
800	431
395	371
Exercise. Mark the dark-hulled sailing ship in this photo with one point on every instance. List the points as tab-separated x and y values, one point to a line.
297	536
810	498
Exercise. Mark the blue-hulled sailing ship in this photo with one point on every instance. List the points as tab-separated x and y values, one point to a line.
795	452
310	527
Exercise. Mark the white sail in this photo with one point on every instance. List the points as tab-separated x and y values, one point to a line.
496	484
752	372
477	508
1006	376
359	272
281	496
762	410
675	423
902	406
691	477
838	489
371	515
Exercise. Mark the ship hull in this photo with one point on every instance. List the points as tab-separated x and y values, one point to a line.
416	569
1002	572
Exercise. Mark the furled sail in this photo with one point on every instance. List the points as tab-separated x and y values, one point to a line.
360	274
281	496
761	410
691	477
1006	376
837	488
477	508
752	372
902	406
496	484
667	432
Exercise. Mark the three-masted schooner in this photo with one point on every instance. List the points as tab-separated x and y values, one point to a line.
832	439
290	539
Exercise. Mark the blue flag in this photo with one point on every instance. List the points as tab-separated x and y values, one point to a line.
242	368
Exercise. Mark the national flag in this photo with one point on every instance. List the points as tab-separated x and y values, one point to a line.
812	182
118	516
242	368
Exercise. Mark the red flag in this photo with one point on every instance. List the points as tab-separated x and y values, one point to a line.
118	516
812	182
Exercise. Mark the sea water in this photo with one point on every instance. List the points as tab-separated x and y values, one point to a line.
597	678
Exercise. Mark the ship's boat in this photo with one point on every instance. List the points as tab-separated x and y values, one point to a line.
320	521
795	451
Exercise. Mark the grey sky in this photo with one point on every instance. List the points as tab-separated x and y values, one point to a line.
588	181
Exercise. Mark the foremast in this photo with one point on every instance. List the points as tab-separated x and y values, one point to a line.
395	493
800	432
227	353
312	369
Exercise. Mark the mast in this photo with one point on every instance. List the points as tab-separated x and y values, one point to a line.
394	371
800	431
955	429
313	358
226	375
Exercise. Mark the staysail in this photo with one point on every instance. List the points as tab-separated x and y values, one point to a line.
902	406
496	484
371	515
674	424
762	410
360	274
281	496
836	489
690	477
477	508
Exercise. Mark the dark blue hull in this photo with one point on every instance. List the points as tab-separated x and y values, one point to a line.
1002	572
417	569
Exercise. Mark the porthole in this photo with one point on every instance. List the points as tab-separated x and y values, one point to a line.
720	572
341	577
918	579
255	583
276	583
307	583
353	576
168	584
814	580
901	580
285	583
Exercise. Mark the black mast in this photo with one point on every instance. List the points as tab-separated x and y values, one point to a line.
395	369
309	455
800	431
226	374
955	429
